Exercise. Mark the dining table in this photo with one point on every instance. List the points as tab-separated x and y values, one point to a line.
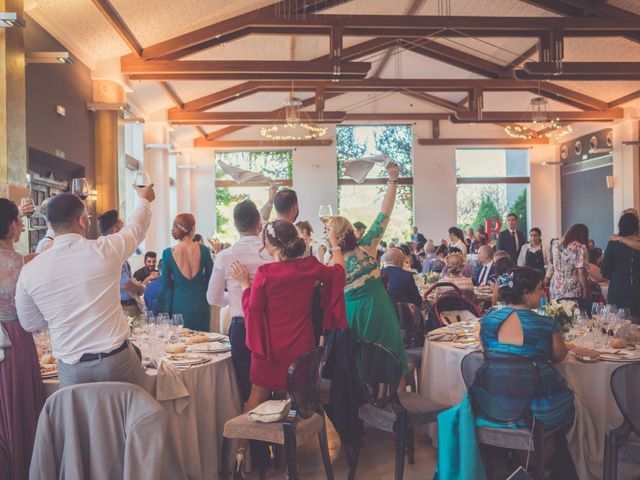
596	409
198	398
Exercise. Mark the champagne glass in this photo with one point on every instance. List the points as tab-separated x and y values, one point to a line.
325	213
24	201
142	179
80	187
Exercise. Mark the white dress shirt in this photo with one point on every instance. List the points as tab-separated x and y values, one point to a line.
249	252
74	289
46	241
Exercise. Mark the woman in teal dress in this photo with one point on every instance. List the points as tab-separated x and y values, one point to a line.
517	330
370	312
186	269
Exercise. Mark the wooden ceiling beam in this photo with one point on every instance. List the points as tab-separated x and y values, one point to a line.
223	96
205	143
245	118
515	117
168	89
625	99
221	132
616	69
602	76
118	24
394	117
131	64
289	77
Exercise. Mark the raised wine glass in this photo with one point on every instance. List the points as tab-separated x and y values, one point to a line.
142	178
325	213
80	187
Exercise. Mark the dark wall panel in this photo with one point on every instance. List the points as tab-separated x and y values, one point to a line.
586	199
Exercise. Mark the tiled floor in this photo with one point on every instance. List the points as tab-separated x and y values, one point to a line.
377	459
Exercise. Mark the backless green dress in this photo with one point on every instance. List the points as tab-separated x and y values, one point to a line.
370	312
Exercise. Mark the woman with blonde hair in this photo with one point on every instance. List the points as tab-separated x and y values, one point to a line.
186	269
455	263
370	313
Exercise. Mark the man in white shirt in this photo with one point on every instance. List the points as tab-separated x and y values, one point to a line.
74	289
250	252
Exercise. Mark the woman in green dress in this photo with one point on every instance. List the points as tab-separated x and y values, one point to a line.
370	312
186	269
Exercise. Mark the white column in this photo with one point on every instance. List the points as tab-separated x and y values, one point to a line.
183	181
626	169
202	192
156	162
545	206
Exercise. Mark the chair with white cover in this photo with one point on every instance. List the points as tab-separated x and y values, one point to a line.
100	430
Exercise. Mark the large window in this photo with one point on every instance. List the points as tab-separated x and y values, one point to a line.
361	202
276	164
491	184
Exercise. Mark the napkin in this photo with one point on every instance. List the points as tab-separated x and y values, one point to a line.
242	176
4	341
359	168
441	336
169	386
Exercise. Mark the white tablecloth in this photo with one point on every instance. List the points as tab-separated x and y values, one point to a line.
195	434
595	406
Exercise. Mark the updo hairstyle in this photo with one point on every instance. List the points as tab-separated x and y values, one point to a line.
284	236
183	225
515	284
345	233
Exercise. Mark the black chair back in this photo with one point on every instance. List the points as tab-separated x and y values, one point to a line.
379	371
303	383
411	323
501	389
625	385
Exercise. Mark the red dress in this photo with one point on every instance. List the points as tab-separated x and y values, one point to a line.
277	311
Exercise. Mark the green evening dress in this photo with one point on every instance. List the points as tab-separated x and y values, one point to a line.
370	312
186	296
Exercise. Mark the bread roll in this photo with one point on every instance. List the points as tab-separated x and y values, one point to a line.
47	359
175	348
618	343
197	339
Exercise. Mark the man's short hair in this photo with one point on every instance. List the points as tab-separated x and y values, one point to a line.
511	214
63	210
285	200
107	221
150	254
359	226
246	216
488	250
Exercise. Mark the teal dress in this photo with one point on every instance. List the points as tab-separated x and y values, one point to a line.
370	312
554	405
186	296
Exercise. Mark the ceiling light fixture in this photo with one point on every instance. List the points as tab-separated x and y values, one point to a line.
293	127
538	124
10	20
49	57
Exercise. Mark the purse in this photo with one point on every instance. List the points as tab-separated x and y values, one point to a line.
270	411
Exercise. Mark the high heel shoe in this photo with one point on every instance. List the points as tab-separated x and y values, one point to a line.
238	465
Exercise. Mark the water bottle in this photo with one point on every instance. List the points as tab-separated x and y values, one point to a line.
543	303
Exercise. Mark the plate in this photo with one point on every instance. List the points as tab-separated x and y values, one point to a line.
619	358
217	347
216	337
186	358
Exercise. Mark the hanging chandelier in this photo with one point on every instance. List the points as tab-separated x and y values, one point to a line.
293	126
538	124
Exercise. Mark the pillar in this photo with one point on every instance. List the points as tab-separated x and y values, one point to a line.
156	163
109	146
13	135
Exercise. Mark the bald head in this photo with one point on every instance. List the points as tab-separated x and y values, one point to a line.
394	256
485	254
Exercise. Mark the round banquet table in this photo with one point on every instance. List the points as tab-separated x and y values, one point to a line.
441	381
194	436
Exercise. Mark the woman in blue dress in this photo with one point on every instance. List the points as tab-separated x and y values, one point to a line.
186	269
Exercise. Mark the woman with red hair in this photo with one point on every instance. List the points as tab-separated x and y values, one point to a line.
186	269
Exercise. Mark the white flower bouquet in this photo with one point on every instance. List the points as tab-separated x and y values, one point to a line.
564	311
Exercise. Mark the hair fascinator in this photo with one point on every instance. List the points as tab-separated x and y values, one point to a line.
271	231
505	280
181	228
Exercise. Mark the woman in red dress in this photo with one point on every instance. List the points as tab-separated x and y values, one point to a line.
277	309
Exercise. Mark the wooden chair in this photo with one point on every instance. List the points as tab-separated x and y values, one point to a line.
623	442
473	366
379	371
306	417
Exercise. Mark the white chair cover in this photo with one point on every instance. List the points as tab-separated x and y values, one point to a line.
99	430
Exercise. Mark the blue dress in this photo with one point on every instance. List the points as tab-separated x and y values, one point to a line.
186	296
553	406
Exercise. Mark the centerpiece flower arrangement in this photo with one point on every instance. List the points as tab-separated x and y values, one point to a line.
136	322
564	311
432	277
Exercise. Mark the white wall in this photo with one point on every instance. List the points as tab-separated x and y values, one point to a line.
202	192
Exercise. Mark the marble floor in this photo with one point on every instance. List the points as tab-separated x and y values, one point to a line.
377	459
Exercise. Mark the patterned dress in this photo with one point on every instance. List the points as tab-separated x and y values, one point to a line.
566	263
21	396
370	312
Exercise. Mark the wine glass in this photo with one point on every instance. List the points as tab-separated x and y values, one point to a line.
624	313
80	187
178	321
325	213
142	179
24	201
